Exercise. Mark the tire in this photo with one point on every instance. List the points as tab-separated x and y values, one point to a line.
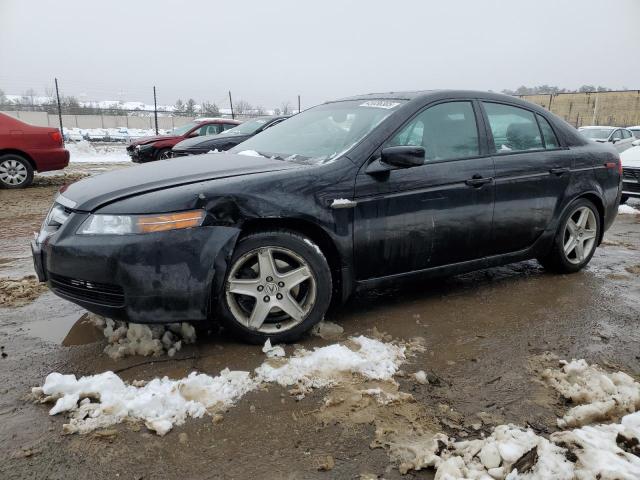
280	252
562	258
15	171
163	154
623	199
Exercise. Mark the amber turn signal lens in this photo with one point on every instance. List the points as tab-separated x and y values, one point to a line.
170	221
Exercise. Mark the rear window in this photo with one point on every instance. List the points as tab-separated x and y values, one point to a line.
550	139
514	129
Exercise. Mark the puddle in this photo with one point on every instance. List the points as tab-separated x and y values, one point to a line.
65	331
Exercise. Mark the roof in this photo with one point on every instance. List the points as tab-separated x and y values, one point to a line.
214	119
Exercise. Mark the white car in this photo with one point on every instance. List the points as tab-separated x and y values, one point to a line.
620	138
630	173
635	131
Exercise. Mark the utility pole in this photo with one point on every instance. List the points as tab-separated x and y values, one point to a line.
298	103
59	111
155	108
231	103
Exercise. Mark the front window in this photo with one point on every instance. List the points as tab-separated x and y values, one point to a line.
596	133
322	133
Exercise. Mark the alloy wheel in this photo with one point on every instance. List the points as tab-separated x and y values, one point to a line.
13	172
580	235
270	289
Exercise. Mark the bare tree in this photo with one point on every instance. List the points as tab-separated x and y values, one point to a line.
260	110
179	107
286	108
241	107
190	107
3	98
210	109
276	111
28	97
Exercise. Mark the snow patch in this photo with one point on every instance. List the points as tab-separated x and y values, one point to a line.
85	152
102	400
598	395
271	351
251	153
126	339
628	210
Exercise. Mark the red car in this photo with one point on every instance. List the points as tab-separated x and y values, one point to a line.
148	149
25	148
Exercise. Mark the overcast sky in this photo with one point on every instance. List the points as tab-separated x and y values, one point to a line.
270	51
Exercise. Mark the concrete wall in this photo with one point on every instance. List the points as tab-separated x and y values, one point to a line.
44	119
620	109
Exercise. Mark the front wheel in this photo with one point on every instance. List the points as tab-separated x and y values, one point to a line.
163	154
15	171
576	239
277	287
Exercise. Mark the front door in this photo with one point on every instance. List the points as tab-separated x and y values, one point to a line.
431	215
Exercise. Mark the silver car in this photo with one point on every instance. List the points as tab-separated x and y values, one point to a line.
635	131
620	138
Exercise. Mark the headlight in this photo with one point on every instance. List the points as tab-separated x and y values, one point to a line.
54	220
130	224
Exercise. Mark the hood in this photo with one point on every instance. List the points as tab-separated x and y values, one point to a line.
94	192
631	157
200	143
145	140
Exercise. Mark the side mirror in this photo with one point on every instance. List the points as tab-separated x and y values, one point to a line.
403	156
614	140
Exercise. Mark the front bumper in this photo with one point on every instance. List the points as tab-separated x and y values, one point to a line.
631	182
151	278
141	155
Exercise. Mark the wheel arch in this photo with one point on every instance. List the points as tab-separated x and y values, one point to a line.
342	285
26	156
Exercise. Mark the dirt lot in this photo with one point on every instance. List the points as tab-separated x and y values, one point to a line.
483	333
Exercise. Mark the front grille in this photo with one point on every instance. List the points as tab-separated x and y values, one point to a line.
101	293
631	173
631	187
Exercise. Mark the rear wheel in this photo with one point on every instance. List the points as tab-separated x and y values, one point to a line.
278	286
576	239
15	171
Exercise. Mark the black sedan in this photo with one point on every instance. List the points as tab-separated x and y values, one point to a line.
350	194
225	140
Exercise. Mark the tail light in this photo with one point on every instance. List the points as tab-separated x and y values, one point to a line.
56	137
617	165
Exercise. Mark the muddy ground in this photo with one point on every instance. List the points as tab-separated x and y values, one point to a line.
483	332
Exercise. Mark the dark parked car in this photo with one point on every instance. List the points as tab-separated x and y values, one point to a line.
225	140
25	149
147	149
350	194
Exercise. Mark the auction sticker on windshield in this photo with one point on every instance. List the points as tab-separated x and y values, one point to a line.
380	104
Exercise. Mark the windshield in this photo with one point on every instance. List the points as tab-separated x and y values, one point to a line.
181	130
247	128
322	133
596	133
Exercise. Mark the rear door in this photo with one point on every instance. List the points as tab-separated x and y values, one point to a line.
532	175
435	214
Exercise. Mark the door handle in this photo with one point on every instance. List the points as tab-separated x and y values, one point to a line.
559	170
478	180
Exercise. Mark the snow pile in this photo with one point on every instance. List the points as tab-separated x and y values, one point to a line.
271	351
84	152
605	451
509	452
626	209
250	153
323	366
126	339
102	400
598	395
